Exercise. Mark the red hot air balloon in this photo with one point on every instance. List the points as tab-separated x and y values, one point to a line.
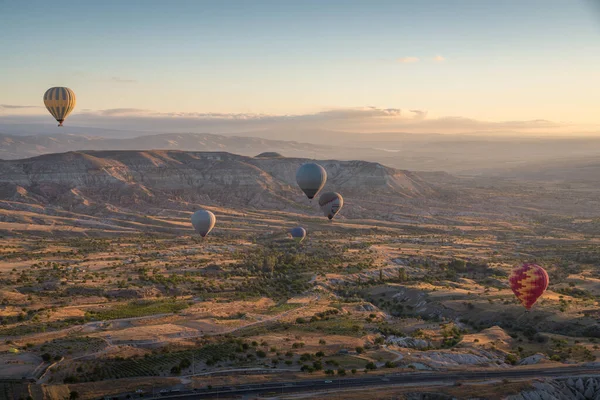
528	282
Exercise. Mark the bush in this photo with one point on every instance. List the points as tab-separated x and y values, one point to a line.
371	366
511	359
360	350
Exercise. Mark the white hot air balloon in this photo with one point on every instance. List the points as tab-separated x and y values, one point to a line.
203	221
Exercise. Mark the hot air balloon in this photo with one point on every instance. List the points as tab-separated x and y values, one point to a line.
298	234
203	221
60	101
311	178
528	282
331	203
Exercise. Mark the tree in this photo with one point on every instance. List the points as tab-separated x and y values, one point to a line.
360	350
176	370
371	366
402	275
46	357
73	395
185	363
511	359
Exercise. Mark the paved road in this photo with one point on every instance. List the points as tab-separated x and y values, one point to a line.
412	378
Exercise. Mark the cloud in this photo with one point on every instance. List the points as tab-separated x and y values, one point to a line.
419	114
116	112
121	80
439	59
15	107
359	112
352	119
408	60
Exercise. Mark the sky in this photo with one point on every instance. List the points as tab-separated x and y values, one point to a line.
359	64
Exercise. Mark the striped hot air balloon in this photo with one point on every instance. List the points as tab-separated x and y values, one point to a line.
60	101
528	282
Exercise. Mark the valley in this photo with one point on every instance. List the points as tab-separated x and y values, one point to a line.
106	289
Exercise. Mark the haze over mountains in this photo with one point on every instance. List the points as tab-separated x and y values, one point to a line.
459	154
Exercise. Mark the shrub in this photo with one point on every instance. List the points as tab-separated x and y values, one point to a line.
511	359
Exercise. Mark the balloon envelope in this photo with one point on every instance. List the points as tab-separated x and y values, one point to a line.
331	203
203	221
59	101
298	234
528	282
311	178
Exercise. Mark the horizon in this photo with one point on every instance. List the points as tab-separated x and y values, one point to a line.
432	67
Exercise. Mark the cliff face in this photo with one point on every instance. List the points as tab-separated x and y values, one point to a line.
161	177
568	389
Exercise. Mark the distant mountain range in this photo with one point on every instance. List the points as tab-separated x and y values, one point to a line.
456	154
17	147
